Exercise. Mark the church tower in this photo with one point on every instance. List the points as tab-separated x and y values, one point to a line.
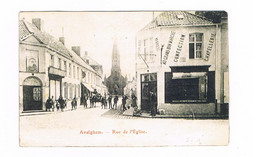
115	82
115	60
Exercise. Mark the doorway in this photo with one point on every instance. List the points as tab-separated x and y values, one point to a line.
148	85
32	94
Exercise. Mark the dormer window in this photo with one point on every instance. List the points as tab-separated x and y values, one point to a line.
180	17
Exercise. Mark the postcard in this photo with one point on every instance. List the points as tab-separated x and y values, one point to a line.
136	78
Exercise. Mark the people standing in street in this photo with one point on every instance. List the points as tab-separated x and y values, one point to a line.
103	102
57	105
153	102
85	99
115	102
124	98
52	104
134	103
74	103
109	99
48	104
62	103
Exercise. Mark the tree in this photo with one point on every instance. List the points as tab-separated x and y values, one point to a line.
215	16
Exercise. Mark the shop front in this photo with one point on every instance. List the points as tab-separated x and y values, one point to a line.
55	82
189	84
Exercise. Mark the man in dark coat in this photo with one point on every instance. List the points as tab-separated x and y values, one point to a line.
115	102
62	103
74	103
124	98
103	102
109	99
48	104
153	102
134	98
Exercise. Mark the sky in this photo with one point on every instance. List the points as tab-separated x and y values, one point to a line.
95	33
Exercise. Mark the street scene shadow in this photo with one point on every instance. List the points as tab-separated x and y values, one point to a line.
117	114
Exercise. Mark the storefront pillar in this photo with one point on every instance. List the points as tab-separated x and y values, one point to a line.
218	82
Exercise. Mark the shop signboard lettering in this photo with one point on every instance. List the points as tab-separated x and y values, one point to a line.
157	44
168	48
210	46
179	48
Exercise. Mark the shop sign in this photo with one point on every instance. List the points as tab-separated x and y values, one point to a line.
157	44
210	46
179	48
58	72
168	48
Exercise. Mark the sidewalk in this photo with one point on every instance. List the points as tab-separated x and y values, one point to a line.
216	116
42	112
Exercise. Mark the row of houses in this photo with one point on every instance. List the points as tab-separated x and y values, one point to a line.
47	68
182	58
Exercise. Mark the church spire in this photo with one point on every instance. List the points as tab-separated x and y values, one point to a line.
115	58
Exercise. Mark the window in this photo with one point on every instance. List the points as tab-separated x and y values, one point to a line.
195	45
74	72
69	70
77	72
65	67
52	60
59	63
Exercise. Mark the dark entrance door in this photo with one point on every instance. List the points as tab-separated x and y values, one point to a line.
148	84
32	94
32	98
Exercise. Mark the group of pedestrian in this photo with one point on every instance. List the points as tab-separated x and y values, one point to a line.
59	104
109	100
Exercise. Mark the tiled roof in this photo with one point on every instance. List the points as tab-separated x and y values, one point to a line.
27	29
80	61
178	18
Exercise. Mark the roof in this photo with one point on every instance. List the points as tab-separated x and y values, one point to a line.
178	18
80	61
27	29
91	61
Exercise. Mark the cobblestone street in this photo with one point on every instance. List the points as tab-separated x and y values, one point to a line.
104	127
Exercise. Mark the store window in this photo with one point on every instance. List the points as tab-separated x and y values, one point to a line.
195	45
186	87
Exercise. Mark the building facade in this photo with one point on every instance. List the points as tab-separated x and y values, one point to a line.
183	59
48	69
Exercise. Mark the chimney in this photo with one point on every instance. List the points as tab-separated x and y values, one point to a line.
87	61
76	49
86	53
62	40
38	23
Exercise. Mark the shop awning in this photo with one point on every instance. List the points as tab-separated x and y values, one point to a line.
88	87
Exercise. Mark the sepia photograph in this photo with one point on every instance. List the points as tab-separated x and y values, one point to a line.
123	78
